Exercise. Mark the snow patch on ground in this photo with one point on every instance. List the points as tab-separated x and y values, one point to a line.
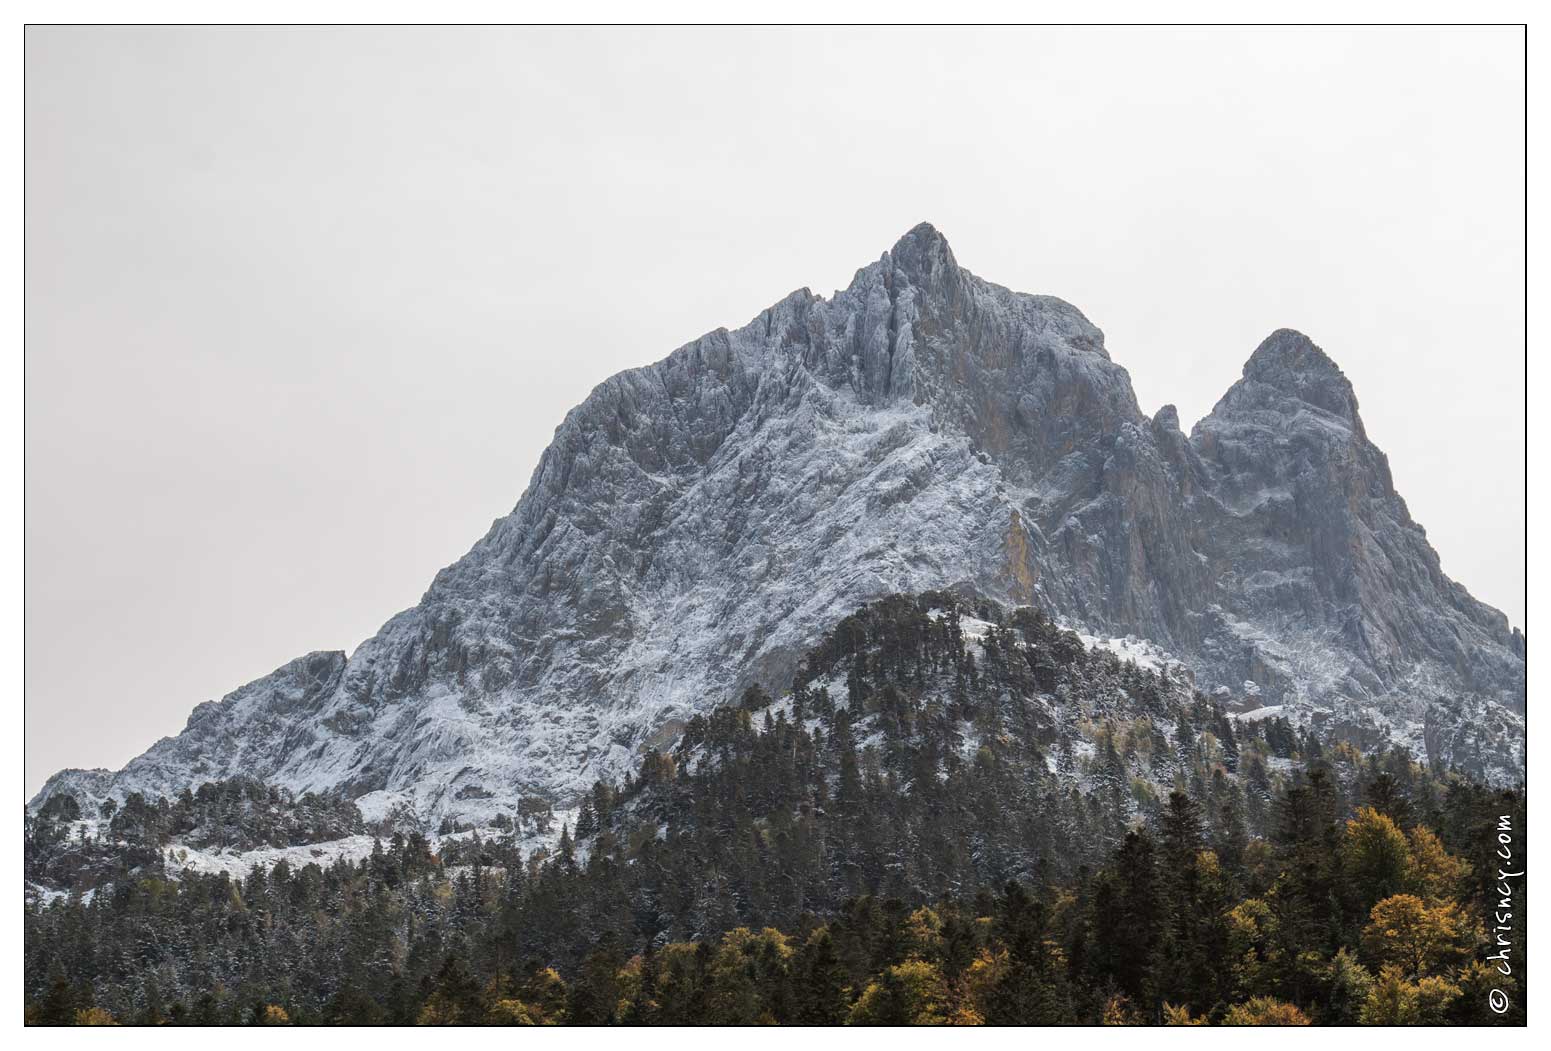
1141	652
1270	711
238	863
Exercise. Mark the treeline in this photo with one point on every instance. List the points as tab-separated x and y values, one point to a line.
917	834
1367	920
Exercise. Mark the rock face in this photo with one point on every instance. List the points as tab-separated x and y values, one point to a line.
697	523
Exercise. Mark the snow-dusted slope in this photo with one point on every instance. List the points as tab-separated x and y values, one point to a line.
697	523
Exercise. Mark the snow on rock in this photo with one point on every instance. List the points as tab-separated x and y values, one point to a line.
696	524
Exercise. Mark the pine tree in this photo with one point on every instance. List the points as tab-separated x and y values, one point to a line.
820	997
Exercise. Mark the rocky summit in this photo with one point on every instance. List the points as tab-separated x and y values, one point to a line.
697	524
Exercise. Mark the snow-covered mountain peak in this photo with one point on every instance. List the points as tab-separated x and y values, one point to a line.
697	523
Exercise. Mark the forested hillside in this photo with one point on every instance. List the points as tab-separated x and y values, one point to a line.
960	814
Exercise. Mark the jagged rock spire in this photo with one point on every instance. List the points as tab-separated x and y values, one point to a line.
1290	362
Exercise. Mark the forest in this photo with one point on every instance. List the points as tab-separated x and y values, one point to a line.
958	815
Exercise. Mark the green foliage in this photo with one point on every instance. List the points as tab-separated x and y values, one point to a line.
917	834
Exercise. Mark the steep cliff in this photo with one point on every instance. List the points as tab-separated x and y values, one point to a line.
697	523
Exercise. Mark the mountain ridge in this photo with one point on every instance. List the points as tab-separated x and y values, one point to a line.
696	521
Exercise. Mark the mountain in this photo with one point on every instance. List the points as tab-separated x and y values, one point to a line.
697	524
955	798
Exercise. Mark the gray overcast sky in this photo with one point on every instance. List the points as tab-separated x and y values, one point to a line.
304	307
